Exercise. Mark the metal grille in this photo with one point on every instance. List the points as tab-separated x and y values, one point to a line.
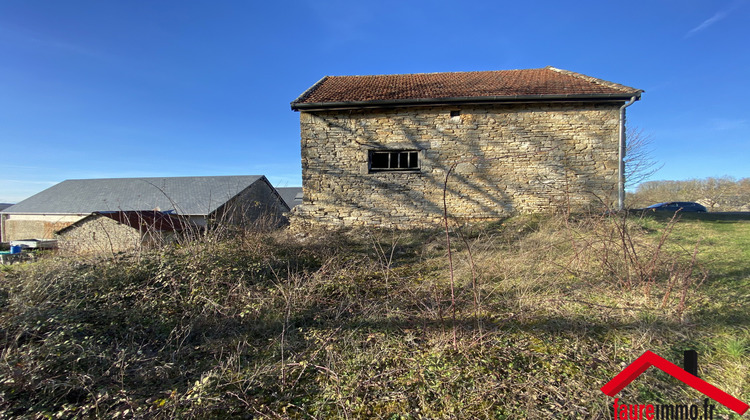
394	160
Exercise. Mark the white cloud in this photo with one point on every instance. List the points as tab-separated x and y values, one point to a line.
706	23
718	16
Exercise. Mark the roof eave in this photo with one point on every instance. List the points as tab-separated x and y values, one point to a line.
390	103
308	92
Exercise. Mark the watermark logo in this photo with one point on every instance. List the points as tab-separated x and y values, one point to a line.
647	411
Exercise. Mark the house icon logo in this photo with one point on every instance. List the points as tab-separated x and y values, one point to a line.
649	359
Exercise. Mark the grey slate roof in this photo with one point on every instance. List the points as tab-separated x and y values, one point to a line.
193	195
292	196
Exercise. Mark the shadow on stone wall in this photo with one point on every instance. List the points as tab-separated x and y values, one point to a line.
521	169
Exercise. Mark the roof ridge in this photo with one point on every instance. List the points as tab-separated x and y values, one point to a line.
591	79
434	72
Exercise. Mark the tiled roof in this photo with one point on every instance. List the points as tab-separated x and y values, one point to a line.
191	195
478	85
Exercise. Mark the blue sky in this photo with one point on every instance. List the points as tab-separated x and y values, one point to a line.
92	89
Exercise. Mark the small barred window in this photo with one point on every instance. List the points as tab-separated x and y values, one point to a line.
394	160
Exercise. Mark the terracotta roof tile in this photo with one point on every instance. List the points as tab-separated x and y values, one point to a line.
406	88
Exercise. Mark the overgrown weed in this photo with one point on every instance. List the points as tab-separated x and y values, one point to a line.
355	323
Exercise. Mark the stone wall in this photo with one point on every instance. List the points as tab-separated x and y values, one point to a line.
99	235
508	159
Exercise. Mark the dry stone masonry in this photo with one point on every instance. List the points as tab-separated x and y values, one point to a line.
505	158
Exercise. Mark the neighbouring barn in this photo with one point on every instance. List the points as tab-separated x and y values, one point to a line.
118	231
376	149
202	200
292	196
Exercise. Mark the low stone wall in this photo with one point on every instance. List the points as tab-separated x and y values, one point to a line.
506	159
99	235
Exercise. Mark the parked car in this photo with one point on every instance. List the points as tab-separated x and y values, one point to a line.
673	206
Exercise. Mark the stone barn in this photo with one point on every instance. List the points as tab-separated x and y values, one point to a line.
376	149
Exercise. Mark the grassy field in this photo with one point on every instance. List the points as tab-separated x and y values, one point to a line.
362	323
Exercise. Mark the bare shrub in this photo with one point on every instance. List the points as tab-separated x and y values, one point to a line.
620	250
275	325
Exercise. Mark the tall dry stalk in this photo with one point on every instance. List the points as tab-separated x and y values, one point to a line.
450	253
446	225
474	281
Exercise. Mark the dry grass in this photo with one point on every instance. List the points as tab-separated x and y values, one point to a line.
356	324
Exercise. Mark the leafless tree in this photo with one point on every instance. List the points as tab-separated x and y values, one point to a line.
639	162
